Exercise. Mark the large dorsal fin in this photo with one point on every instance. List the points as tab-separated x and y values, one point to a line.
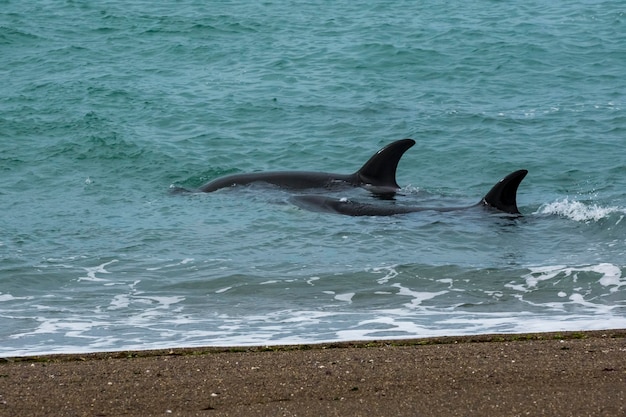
503	195
379	171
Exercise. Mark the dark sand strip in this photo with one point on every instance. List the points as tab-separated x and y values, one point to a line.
546	374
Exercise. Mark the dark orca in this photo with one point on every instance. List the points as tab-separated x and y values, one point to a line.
377	175
502	197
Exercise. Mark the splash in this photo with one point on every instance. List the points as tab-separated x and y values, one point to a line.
578	211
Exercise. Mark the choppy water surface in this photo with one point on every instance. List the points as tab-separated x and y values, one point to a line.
104	106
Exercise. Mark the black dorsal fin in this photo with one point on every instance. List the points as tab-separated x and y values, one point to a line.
379	171
503	195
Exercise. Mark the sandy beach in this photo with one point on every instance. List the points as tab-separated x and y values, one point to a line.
555	374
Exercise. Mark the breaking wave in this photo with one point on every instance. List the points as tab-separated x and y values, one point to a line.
579	211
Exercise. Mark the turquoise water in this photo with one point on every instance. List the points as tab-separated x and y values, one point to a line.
106	105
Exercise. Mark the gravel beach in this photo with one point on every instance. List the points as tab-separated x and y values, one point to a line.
555	374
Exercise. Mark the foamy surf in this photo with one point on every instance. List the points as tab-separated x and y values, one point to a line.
609	275
386	302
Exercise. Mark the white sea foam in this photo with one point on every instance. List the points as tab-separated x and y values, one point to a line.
84	334
171	265
311	280
134	319
347	297
573	288
161	302
72	325
9	297
418	297
611	275
119	301
100	269
389	271
578	211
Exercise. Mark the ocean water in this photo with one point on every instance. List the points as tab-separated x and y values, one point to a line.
104	106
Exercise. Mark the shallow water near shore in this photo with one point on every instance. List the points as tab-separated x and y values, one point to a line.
105	107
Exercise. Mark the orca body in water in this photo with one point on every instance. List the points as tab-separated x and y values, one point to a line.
377	175
502	197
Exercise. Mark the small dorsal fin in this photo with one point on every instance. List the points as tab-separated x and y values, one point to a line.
379	171
503	195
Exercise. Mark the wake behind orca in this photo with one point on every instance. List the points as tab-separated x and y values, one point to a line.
377	175
502	197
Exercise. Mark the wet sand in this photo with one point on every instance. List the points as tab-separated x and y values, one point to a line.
544	374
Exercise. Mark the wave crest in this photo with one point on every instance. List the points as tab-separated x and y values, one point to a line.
578	211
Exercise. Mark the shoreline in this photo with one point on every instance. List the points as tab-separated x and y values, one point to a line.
553	373
439	340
